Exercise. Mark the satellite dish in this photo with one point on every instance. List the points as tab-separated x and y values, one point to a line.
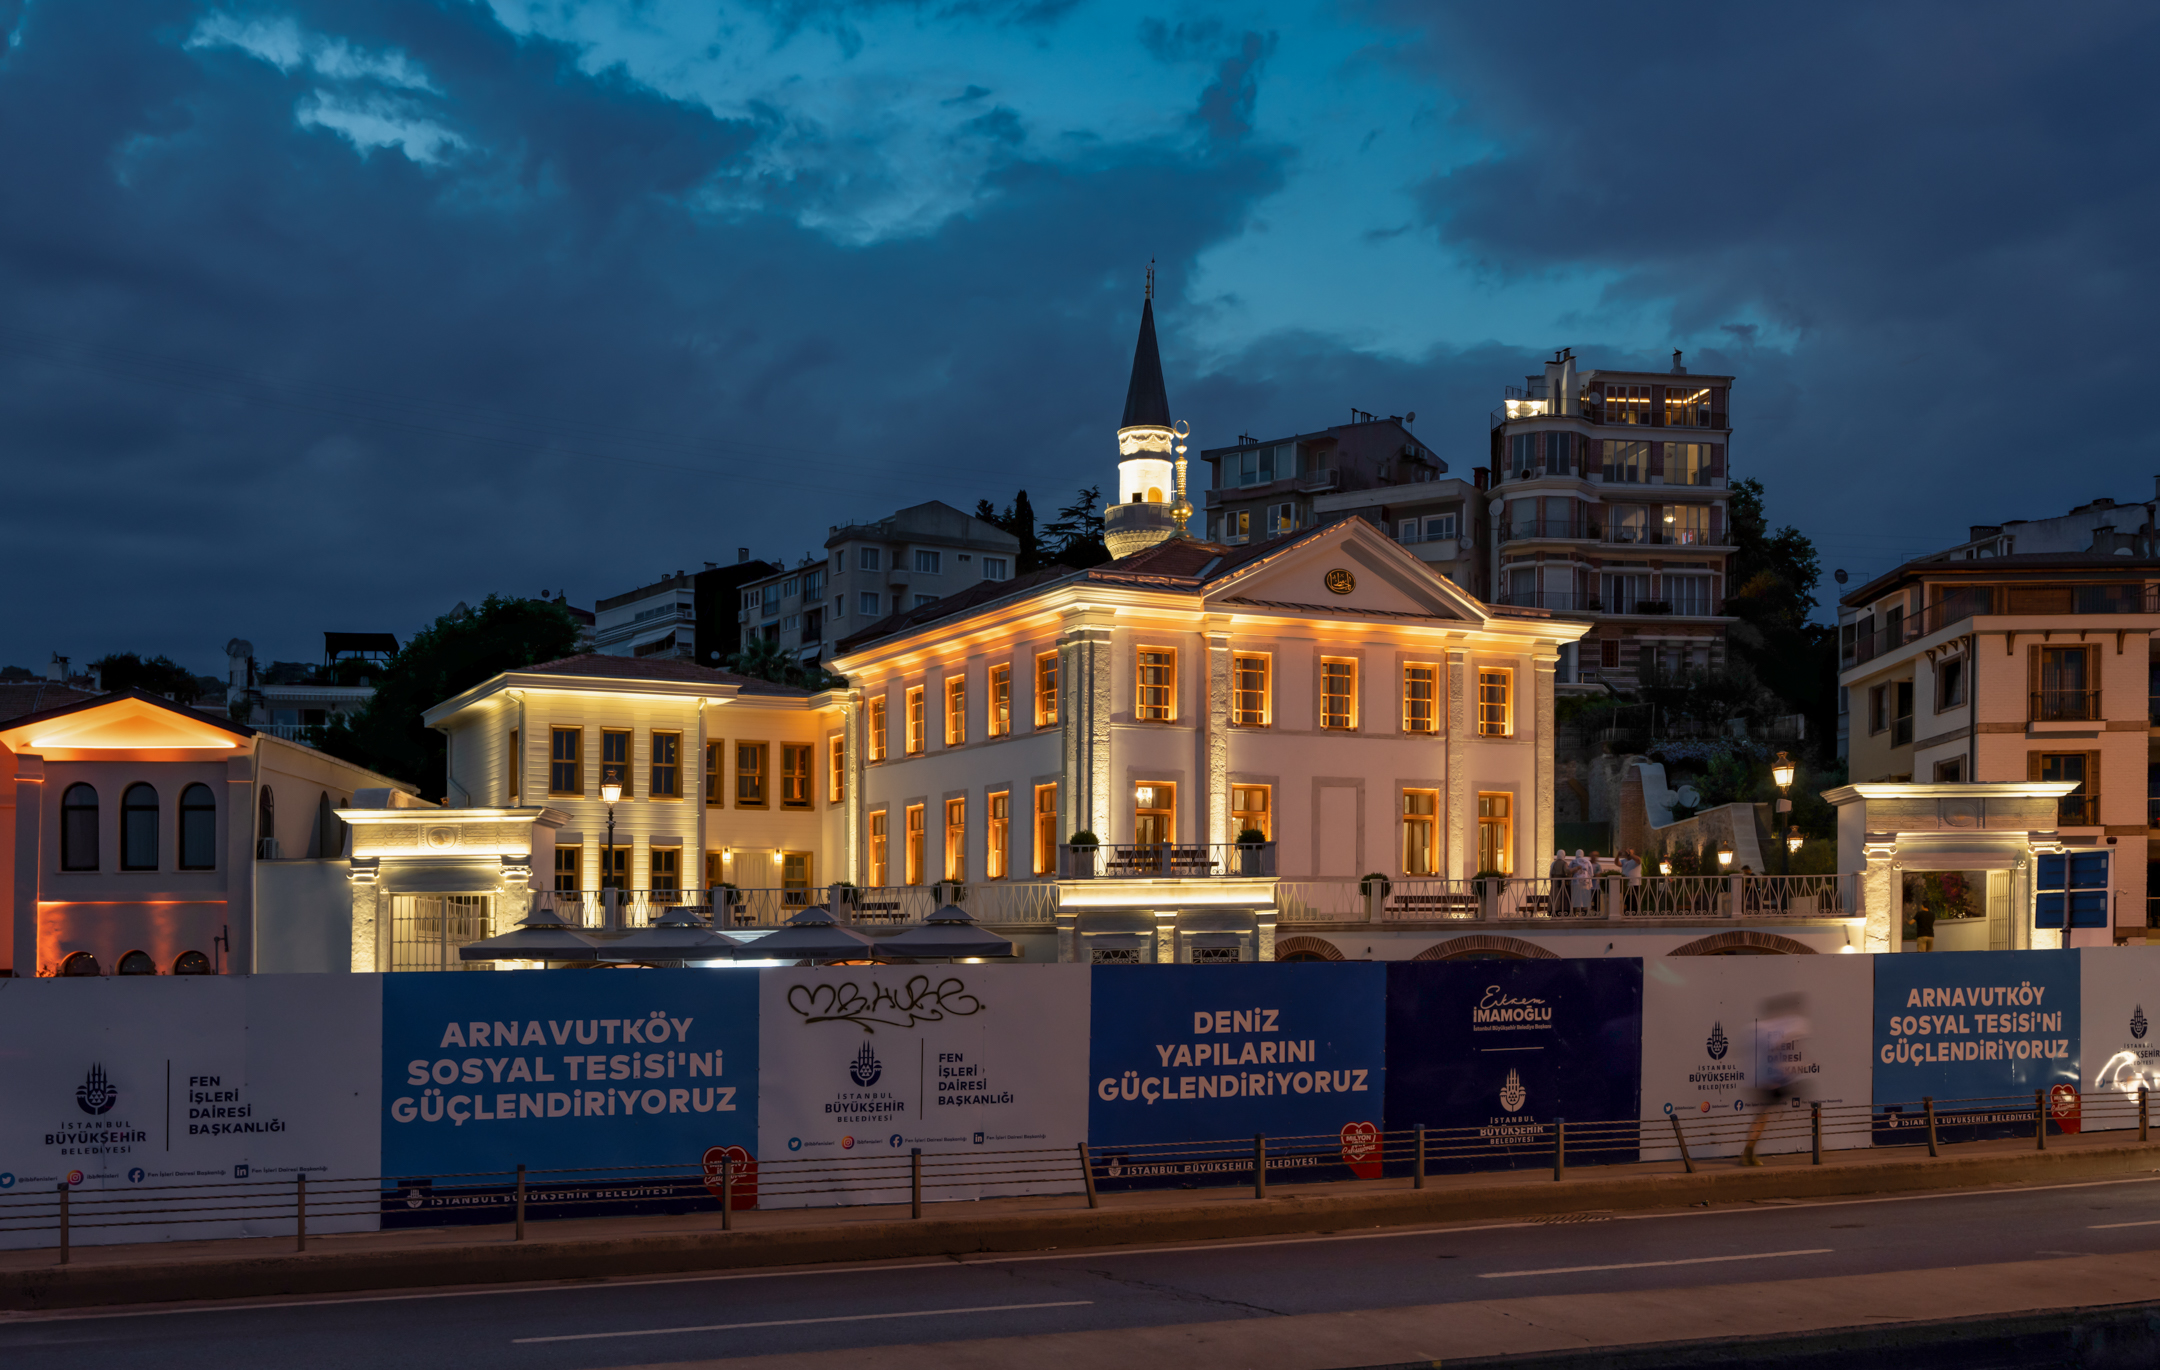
1840	576
1410	417
1689	796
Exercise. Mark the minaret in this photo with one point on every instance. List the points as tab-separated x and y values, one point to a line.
1151	505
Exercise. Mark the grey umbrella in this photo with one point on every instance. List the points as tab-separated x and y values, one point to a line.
812	935
541	935
678	934
948	934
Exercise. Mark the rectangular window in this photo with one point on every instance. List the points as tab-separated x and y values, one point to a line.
1046	690
1046	833
1420	697
870	559
666	766
1495	703
665	868
614	868
1251	811
566	769
1237	526
795	879
1154	813
1496	832
1559	454
1411	530
1950	684
1627	463
2081	807
877	728
1338	693
915	721
615	758
769	602
749	775
1420	832
1155	695
1950	772
1627	404
1688	594
2060	688
999	809
996	568
1687	463
1687	525
880	872
867	604
513	770
566	869
715	787
1000	718
956	839
1878	708
955	711
913	854
715	869
1439	526
929	563
795	775
2071	890
1686	407
921	600
1901	720
1249	690
838	787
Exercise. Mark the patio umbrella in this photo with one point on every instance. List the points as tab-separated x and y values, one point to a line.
678	934
812	935
948	934
541	935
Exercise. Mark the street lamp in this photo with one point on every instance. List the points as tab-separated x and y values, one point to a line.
1664	865
1724	856
1793	840
1781	771
610	794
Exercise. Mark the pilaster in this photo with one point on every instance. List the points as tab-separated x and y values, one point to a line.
1084	654
1879	894
854	736
370	907
1264	934
240	863
1214	766
1459	822
30	860
1546	839
1166	950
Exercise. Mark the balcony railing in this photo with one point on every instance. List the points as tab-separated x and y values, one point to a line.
1521	898
1866	639
2078	811
2065	706
1166	860
1567	602
990	901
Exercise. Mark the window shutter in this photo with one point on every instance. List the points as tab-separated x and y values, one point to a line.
2032	765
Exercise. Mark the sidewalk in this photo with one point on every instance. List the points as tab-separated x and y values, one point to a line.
584	1248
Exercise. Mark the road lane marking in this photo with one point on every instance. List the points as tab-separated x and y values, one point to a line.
801	1322
1645	1265
2102	1227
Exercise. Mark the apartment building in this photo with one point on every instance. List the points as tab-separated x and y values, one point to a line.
2019	667
689	616
1608	504
295	701
872	570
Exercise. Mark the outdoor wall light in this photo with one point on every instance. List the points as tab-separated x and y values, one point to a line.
778	857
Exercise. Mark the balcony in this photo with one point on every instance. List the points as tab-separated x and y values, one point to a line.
1523	530
1864	639
1522	899
1167	861
1565	602
2066	706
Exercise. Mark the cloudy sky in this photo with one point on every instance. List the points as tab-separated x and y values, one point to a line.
327	316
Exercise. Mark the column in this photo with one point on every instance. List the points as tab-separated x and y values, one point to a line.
370	910
1084	656
240	863
854	734
1459	816
1166	951
1214	768
30	858
1542	666
1264	934
1879	894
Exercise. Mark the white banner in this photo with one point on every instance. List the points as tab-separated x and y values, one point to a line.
2120	999
859	1065
129	1084
1700	1051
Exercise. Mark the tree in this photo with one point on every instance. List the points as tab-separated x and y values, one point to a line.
448	657
1774	576
763	658
1018	519
1076	536
160	675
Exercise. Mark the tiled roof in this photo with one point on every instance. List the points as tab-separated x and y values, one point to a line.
980	593
599	666
60	700
21	698
2016	561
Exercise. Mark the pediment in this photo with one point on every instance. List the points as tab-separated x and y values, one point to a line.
1349	568
125	724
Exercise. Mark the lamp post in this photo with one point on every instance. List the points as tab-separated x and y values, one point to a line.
1781	771
610	793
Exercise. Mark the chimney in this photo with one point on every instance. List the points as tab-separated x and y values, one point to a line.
1482	475
742	554
1677	368
57	669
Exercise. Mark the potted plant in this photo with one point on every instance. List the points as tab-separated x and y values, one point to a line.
844	894
951	891
1252	852
1488	886
1080	855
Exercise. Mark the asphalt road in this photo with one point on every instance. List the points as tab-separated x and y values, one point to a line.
570	1326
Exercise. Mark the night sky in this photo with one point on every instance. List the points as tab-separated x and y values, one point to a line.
328	316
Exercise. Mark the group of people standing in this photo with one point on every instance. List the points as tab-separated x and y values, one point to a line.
1575	879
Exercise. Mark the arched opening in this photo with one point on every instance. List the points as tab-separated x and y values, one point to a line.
191	963
198	829
79	829
1154	494
80	963
136	963
1485	947
266	825
1306	949
138	829
1743	942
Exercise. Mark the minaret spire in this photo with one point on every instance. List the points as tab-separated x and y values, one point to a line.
1151	505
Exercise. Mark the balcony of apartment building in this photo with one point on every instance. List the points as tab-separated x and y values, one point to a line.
1872	636
1613	604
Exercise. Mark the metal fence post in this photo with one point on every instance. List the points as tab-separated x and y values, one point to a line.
2144	1116
915	1182
63	1224
1928	1103
521	1201
2039	1120
1815	1126
1087	1174
1559	1148
1681	1137
1259	1165
300	1213
1417	1179
727	1192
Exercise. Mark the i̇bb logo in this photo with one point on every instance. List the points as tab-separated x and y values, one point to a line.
2068	1109
1361	1150
741	1178
847	1143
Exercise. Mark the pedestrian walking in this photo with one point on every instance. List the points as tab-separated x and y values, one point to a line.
1923	920
1779	1031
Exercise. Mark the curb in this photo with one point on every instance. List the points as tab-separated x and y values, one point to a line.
1285	1213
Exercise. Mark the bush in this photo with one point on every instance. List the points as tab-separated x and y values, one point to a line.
1248	836
1084	838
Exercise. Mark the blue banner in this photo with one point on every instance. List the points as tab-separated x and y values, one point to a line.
1979	1033
1189	1063
1494	1051
587	1078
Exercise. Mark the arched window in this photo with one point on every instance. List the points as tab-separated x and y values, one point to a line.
138	829
78	829
198	829
80	963
266	824
191	963
136	963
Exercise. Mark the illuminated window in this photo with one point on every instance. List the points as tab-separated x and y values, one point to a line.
198	829
1250	809
1249	691
567	860
999	810
614	868
1687	525
1496	832
1237	526
1420	832
715	869
1046	690
138	829
1687	463
1420	698
665	868
749	775
1627	404
1046	833
914	839
512	767
79	828
1000	700
1155	699
615	758
877	728
1495	703
955	711
956	839
1338	693
879	871
715	788
566	769
1687	407
838	788
666	766
915	721
795	775
1627	462
1154	813
795	879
